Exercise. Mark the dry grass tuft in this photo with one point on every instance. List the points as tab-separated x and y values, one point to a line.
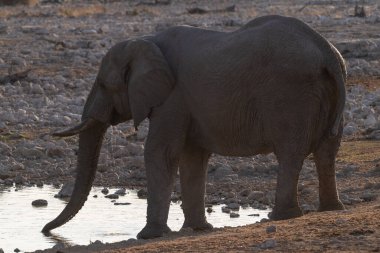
78	11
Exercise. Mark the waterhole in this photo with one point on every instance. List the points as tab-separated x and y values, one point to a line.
99	219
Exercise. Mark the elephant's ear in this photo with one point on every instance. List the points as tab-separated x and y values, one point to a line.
149	78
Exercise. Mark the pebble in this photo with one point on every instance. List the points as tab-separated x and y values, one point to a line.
306	208
8	182
142	194
3	29
39	202
268	244
340	221
222	171
247	171
209	210
234	215
120	192
66	190
142	133
5	149
368	196
234	206
105	191
112	196
271	229
59	245
245	193
226	209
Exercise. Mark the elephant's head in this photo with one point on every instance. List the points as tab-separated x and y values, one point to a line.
133	78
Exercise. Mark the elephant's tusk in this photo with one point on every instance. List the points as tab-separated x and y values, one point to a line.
88	123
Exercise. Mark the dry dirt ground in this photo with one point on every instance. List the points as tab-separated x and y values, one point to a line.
355	230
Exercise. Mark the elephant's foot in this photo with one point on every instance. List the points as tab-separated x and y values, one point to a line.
199	226
289	213
152	231
331	206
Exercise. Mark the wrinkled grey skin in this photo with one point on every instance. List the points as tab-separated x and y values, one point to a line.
274	85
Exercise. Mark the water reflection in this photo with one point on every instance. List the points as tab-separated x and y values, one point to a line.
99	219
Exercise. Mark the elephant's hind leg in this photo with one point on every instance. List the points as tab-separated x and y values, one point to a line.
193	170
286	202
325	162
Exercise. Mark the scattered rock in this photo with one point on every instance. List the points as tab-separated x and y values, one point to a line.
39	203
4	173
306	208
222	171
256	195
20	180
247	171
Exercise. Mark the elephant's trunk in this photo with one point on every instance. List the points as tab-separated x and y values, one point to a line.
90	142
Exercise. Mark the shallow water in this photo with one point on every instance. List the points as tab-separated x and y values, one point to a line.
99	219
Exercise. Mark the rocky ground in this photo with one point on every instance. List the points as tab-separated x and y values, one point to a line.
49	55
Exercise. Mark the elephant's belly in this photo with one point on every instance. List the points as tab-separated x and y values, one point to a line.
240	150
231	142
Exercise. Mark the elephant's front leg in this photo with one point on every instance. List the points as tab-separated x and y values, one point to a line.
193	170
165	142
161	162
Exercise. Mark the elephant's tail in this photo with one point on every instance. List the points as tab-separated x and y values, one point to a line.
339	74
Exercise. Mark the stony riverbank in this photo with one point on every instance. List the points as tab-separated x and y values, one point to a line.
49	55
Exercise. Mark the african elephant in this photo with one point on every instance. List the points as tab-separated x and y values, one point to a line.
274	85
